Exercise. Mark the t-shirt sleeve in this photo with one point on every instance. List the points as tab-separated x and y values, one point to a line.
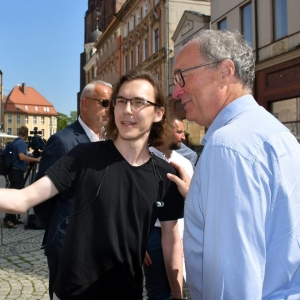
64	172
21	147
172	199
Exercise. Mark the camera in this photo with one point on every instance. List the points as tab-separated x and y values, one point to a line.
35	142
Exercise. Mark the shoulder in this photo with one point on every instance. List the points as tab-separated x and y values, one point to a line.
184	162
93	148
163	165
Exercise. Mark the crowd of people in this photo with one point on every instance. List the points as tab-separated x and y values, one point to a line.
114	208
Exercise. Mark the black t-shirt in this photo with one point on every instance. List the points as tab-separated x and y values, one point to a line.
113	212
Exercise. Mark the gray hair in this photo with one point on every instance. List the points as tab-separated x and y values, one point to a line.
89	89
217	45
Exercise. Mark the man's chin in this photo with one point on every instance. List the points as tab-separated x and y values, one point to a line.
175	146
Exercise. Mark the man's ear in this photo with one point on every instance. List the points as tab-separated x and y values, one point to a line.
159	114
83	104
227	68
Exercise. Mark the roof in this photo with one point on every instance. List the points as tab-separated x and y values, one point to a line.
94	36
31	102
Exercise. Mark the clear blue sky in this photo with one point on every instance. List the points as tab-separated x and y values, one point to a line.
40	44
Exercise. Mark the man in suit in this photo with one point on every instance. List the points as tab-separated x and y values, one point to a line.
53	214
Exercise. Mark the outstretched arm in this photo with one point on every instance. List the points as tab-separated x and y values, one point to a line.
183	181
18	201
172	252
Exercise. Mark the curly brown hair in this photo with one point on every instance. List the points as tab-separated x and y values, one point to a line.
160	131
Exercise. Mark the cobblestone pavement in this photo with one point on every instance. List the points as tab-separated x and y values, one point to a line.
23	266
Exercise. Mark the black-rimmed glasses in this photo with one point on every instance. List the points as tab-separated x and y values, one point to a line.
135	103
103	102
179	77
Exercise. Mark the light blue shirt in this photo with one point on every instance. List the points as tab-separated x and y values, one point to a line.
242	212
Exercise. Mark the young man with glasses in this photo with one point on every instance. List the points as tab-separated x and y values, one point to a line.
94	102
119	190
242	210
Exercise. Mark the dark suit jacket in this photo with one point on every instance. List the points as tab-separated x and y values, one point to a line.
53	214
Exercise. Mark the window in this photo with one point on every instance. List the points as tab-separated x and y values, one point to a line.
138	16
43	132
131	60
42	120
9	119
145	48
131	23
145	9
247	23
125	64
18	119
36	108
222	25
156	40
26	107
280	18
17	131
8	130
125	29
137	50
288	112
34	120
26	119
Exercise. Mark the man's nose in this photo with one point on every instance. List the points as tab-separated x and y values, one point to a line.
177	91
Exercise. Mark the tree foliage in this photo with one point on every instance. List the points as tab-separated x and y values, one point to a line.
63	120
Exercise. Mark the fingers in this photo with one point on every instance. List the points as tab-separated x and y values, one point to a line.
147	259
182	174
183	187
183	181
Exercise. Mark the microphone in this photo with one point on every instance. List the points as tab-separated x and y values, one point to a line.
159	204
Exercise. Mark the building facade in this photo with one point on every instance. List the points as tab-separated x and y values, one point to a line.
24	106
272	28
140	36
97	18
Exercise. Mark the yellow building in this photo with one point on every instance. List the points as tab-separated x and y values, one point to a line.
24	106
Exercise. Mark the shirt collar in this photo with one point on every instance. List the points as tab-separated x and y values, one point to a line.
160	154
230	111
90	133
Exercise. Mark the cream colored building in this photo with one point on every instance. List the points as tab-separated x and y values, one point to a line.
272	28
24	106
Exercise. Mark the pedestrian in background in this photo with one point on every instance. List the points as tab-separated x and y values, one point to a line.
242	210
54	213
16	173
157	282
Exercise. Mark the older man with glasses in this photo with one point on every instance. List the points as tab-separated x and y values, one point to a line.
242	210
89	127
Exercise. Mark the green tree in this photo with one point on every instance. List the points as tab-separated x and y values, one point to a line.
73	116
62	121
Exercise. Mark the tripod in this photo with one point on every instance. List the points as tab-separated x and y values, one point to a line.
30	174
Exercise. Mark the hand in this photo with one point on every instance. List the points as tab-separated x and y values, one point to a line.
182	182
147	259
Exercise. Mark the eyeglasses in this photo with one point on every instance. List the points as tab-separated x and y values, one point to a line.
103	102
135	103
179	77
